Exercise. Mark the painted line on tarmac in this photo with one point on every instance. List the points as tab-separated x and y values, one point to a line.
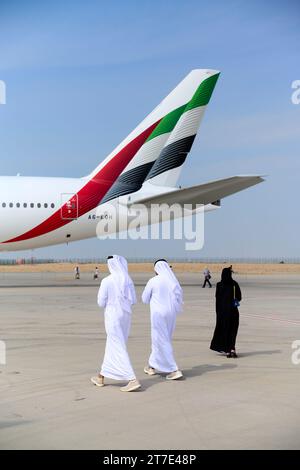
268	317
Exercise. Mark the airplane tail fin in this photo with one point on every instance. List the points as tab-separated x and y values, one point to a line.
159	145
167	167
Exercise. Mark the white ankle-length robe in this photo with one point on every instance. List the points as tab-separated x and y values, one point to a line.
117	316
163	321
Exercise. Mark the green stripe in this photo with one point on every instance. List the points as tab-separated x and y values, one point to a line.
203	93
200	98
167	123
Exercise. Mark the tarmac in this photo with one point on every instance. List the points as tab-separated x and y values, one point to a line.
55	339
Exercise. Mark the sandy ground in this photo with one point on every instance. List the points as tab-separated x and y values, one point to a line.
55	341
216	268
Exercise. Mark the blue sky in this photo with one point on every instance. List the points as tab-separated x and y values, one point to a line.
81	75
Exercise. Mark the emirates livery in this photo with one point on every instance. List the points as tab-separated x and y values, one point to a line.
144	168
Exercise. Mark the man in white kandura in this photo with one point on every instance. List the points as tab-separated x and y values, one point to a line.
165	296
117	295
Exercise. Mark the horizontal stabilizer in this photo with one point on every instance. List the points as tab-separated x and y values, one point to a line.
207	193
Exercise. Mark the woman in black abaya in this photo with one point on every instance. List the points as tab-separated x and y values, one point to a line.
228	296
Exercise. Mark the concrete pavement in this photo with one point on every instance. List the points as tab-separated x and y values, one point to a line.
55	341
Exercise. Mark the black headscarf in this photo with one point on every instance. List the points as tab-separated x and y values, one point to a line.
161	259
226	277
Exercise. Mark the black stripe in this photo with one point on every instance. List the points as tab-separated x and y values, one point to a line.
172	156
128	182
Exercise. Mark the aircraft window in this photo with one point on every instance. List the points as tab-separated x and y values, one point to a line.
31	204
39	205
18	204
11	204
52	205
3	204
25	204
45	205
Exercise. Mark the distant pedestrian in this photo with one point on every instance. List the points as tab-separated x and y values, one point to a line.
228	297
96	273
207	277
77	272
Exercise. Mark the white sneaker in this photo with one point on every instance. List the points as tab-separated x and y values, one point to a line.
175	375
131	386
98	381
149	370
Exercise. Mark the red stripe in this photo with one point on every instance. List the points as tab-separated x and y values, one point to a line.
91	194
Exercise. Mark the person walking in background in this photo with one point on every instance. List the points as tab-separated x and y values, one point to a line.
165	296
228	297
96	273
207	277
117	295
77	272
